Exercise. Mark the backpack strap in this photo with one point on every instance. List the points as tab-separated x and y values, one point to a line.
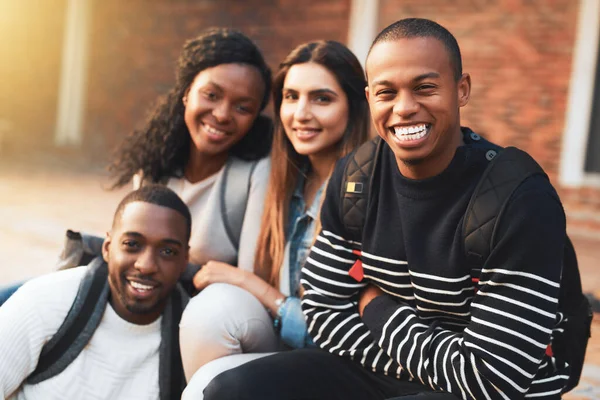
170	370
78	327
356	186
234	196
505	172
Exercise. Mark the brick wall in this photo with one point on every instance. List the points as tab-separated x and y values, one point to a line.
135	44
519	55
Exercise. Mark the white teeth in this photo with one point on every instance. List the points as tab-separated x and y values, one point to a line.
304	132
214	131
406	133
140	286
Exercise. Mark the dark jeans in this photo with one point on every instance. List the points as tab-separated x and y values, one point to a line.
312	374
7	291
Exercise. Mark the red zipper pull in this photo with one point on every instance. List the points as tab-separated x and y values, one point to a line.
356	272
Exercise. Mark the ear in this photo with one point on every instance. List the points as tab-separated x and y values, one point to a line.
185	97
105	247
464	89
367	93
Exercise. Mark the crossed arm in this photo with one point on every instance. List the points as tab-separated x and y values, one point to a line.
500	354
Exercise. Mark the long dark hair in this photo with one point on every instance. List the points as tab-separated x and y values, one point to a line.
162	148
286	162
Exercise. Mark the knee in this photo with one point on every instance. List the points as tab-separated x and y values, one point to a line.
222	320
217	299
216	308
201	378
210	318
227	386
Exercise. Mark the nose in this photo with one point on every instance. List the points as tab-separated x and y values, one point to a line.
406	104
302	111
222	112
146	262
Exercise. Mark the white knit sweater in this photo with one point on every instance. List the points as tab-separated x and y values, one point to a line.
120	361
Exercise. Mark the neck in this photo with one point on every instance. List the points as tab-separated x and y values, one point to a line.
320	169
136	318
435	163
321	166
201	166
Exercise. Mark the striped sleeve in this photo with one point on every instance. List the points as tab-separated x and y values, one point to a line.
330	295
501	352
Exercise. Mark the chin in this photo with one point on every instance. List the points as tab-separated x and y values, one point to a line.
412	161
135	307
304	150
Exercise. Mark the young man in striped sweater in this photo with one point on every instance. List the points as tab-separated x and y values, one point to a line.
412	318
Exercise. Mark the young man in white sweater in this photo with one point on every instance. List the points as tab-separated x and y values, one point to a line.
146	252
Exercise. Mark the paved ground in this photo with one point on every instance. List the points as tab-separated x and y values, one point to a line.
39	201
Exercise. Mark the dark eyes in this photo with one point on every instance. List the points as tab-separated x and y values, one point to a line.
133	246
210	95
244	109
130	244
169	252
384	92
421	89
323	99
317	99
425	87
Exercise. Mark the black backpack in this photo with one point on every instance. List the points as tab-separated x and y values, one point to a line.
507	169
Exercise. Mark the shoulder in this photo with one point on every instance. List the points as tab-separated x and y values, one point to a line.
57	289
256	167
262	168
359	158
534	192
41	305
533	212
257	171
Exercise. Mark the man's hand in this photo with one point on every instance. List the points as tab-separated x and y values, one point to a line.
218	272
368	293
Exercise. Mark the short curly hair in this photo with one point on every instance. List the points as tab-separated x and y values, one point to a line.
410	28
162	147
159	195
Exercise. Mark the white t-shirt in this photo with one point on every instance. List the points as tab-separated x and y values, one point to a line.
120	361
209	240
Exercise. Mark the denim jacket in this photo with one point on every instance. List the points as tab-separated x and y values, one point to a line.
300	233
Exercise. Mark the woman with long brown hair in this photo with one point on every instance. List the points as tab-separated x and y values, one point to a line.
321	114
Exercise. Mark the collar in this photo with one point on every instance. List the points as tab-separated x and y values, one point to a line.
298	195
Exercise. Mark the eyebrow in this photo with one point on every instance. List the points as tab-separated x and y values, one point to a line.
167	240
427	75
313	92
220	88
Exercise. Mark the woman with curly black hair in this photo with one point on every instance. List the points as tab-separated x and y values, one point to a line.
208	131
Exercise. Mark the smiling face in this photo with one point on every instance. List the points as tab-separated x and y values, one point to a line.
221	105
415	100
146	252
314	110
